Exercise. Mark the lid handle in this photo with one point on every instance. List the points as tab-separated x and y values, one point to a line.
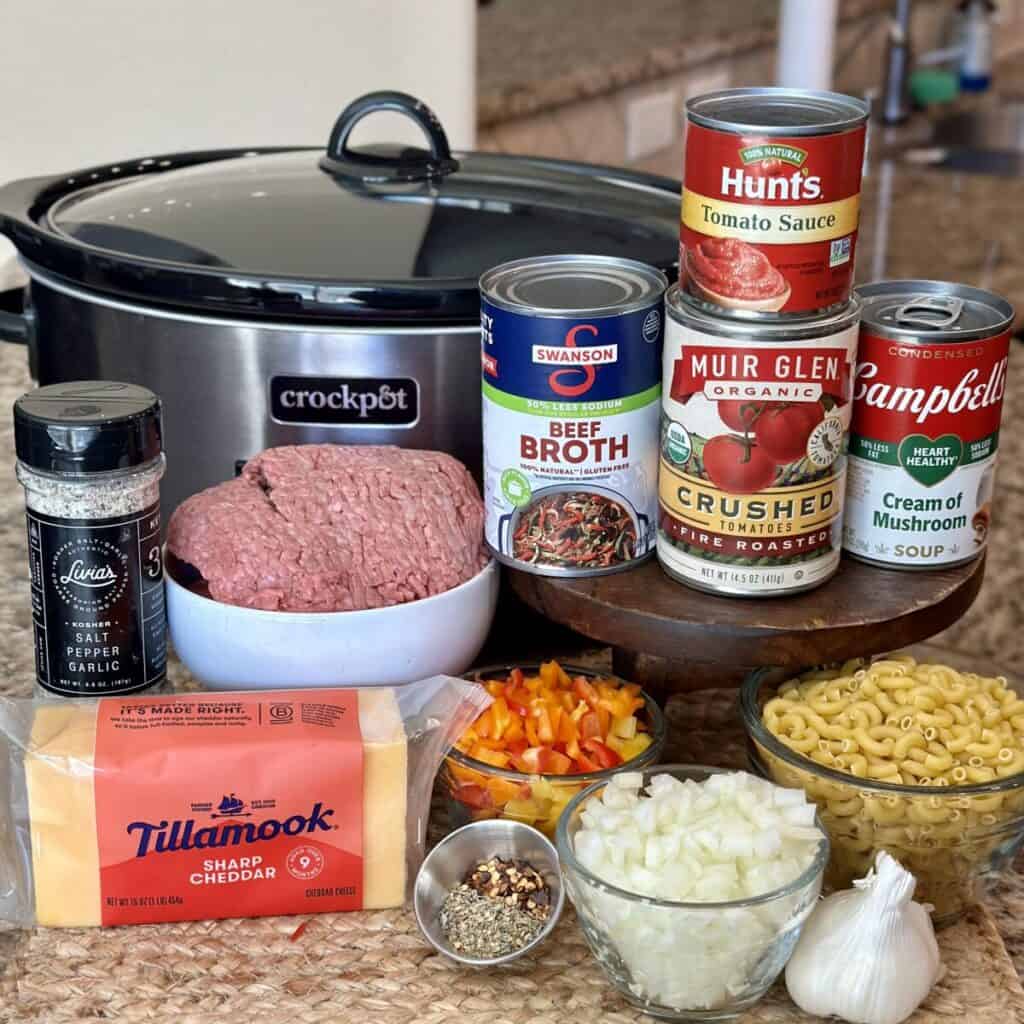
931	311
391	163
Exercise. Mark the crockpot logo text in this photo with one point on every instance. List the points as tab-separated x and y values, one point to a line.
366	401
575	359
361	403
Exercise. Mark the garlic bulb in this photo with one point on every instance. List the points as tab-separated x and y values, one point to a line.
867	954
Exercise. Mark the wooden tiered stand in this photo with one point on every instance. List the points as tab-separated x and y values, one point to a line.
671	638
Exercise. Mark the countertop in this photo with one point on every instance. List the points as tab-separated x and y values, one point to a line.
533	55
915	222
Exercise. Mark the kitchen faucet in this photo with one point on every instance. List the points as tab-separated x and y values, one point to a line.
896	89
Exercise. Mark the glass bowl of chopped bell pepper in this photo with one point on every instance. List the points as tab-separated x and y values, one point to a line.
550	732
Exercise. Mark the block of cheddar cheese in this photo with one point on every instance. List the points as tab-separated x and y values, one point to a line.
216	805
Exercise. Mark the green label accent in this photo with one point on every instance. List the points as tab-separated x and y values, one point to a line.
928	461
571	410
887	453
678	446
773	151
516	488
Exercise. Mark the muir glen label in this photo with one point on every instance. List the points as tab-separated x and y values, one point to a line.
770	225
752	467
923	444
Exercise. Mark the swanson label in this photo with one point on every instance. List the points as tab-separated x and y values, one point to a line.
570	412
923	449
752	465
98	603
770	227
345	401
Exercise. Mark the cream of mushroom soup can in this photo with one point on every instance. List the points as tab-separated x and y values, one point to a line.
928	397
571	354
753	448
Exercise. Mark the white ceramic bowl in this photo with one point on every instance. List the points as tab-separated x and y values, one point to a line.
227	647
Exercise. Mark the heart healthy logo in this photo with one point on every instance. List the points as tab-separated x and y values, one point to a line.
928	461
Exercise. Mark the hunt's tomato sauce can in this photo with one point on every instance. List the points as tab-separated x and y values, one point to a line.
771	200
571	352
753	435
927	401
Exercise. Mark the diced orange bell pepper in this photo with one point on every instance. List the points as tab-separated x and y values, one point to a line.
492	757
501	716
548	723
530	726
585	691
545	732
549	674
514	731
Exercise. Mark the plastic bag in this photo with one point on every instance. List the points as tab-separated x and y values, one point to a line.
211	805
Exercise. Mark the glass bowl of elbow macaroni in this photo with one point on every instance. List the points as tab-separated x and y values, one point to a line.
900	753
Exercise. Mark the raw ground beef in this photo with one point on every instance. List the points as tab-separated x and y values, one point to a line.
334	528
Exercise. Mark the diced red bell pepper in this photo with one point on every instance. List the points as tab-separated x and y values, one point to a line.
473	796
545	761
517	746
590	726
601	753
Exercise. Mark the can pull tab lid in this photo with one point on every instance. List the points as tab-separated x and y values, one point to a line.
932	311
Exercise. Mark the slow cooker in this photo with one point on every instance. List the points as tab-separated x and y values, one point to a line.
288	295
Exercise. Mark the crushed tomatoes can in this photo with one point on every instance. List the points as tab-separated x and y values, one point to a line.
753	433
928	397
771	200
571	350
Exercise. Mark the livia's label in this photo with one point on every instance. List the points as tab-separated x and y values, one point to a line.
923	449
98	603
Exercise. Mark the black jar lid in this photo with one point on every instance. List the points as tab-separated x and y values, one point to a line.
87	426
385	233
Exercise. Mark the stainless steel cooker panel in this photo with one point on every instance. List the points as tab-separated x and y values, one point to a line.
216	386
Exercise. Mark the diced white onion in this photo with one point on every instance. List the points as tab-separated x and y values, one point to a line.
728	838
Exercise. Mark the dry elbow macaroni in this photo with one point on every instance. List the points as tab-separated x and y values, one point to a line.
914	724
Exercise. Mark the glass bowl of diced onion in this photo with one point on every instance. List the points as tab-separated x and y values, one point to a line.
953	819
742	858
476	789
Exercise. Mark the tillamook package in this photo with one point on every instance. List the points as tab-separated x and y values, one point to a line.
135	810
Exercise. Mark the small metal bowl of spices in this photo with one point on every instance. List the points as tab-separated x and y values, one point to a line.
489	892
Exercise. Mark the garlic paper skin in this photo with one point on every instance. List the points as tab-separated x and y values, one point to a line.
867	954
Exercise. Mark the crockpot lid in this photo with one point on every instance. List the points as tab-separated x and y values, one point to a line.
385	232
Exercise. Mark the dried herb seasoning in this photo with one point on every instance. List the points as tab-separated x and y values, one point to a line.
499	907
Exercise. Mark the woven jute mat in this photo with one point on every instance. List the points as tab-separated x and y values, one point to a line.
374	967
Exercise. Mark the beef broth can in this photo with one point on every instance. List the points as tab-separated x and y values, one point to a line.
571	351
771	198
753	433
928	396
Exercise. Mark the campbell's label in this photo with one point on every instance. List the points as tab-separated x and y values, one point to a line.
752	458
570	414
770	225
923	447
178	842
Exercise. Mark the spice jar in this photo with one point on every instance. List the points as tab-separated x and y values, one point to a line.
90	458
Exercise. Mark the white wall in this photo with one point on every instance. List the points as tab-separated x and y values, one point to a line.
93	81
